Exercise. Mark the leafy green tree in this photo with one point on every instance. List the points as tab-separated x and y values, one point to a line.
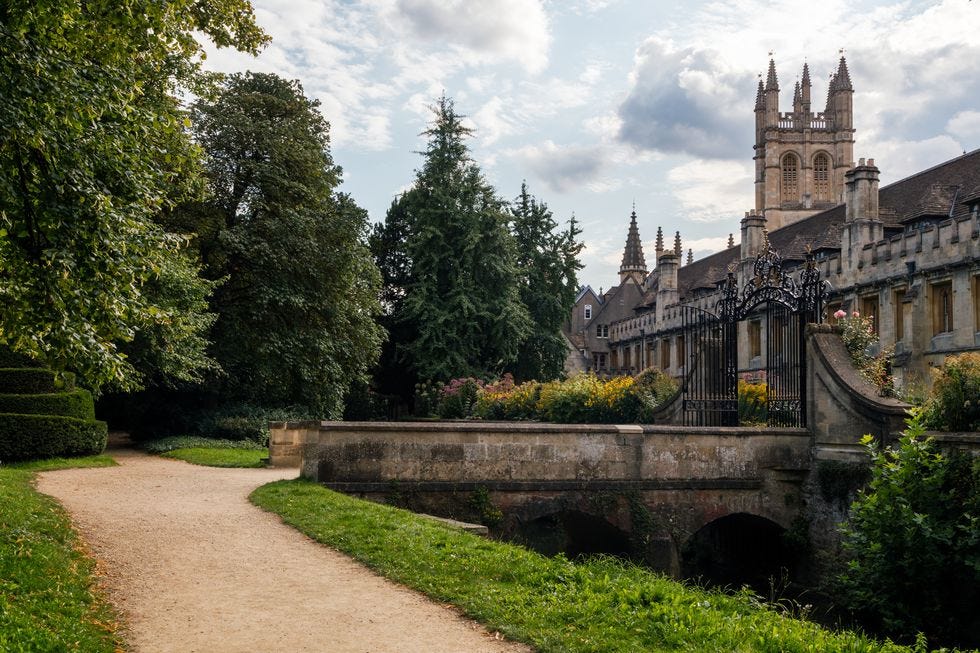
299	291
913	540
93	147
547	263
462	298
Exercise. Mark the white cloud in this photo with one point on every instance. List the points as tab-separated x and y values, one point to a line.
687	100
709	191
562	168
491	121
898	159
965	126
490	29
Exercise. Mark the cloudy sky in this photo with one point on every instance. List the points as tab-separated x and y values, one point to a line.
602	103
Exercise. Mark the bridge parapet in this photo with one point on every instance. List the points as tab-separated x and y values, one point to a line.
332	452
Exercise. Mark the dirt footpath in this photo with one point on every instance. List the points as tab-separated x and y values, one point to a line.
193	566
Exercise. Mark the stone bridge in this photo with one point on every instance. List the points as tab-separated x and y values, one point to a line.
658	493
714	502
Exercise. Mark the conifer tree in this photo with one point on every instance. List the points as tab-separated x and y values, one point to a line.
462	299
548	264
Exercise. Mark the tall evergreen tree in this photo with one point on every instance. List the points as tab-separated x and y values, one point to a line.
298	300
462	298
547	262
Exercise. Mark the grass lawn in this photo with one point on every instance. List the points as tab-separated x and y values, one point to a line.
220	457
47	597
550	603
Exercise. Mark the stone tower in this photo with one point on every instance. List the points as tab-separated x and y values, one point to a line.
633	261
801	156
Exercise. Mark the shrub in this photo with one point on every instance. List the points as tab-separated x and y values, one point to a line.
505	401
77	403
752	405
25	437
913	539
29	380
426	398
9	358
953	403
457	398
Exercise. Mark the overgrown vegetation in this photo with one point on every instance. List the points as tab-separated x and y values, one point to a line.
551	603
48	599
953	403
172	443
861	341
913	542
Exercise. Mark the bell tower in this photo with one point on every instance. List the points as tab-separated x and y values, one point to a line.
801	156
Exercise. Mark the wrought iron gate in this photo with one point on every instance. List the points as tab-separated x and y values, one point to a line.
711	339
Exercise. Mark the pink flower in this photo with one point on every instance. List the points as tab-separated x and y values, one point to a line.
839	314
855	314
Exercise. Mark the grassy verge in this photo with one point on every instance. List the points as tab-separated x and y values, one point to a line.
551	603
47	596
220	457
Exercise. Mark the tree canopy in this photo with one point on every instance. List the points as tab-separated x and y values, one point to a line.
93	149
298	291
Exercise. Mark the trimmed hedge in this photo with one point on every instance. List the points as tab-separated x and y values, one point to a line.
11	359
25	437
27	380
77	403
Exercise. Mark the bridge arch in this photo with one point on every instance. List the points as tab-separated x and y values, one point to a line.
739	549
573	532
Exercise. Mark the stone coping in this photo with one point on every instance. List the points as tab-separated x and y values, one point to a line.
457	426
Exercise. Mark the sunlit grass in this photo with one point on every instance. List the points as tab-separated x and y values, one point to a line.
47	596
220	457
550	603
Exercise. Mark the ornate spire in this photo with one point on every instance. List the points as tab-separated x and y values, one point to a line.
797	98
678	250
633	260
806	75
731	240
660	240
690	256
842	79
772	84
760	101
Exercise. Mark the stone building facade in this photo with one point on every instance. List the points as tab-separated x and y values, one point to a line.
906	254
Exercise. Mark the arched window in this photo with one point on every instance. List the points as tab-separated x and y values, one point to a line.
791	176
821	177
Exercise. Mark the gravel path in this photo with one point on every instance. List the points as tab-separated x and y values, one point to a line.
193	566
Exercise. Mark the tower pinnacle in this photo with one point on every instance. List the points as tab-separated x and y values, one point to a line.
633	260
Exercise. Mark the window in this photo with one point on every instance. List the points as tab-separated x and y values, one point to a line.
791	171
870	309
900	315
755	339
942	308
821	177
602	361
681	352
976	303
588	311
602	331
665	354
